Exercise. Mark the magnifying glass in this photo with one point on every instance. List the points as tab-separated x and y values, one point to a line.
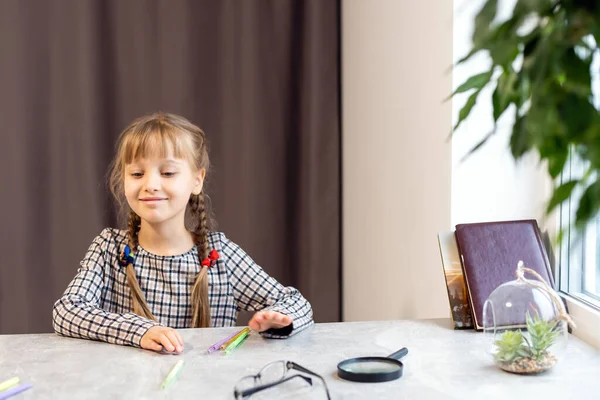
373	369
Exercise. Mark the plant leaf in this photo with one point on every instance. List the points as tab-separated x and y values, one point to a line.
504	47
577	75
577	113
483	20
525	6
561	194
556	163
589	204
524	352
498	103
505	93
466	110
595	31
475	82
520	139
478	145
470	54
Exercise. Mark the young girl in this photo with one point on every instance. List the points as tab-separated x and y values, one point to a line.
135	287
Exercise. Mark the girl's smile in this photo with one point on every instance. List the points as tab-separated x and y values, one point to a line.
153	201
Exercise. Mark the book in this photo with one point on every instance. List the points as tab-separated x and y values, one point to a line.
489	253
460	310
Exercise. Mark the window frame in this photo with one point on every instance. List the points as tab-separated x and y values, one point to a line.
570	274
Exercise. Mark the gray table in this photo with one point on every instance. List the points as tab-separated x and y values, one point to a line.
441	364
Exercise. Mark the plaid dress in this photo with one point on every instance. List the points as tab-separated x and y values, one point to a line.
97	303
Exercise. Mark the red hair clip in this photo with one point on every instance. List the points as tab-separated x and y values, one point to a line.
211	260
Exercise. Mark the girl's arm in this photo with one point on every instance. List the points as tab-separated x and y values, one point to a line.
255	290
78	314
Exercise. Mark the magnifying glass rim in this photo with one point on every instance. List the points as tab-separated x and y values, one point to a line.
370	376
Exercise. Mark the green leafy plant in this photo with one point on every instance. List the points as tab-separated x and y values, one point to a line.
513	345
541	72
542	335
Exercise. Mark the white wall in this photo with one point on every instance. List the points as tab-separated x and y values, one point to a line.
396	161
402	181
490	185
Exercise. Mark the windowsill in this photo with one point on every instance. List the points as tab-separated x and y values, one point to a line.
587	320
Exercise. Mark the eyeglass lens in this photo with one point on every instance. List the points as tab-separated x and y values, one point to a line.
273	372
246	383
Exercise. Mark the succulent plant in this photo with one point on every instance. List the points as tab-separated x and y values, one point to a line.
513	345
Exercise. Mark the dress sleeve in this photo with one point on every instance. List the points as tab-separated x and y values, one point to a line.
255	290
78	314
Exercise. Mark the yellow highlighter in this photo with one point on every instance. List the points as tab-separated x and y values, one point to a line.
237	343
9	383
233	339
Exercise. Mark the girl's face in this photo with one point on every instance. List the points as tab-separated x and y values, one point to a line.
158	189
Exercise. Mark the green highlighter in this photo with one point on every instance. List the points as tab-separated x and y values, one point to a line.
172	375
237	342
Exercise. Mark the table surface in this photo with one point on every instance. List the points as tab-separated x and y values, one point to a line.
442	364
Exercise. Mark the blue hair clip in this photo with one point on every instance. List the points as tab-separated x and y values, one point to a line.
126	257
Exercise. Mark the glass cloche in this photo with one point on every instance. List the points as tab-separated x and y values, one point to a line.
526	325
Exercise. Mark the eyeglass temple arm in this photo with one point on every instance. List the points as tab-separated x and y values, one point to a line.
251	391
307	371
302	369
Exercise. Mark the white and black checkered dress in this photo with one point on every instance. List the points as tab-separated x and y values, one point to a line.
97	303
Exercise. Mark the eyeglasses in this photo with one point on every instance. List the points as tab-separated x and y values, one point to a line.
271	375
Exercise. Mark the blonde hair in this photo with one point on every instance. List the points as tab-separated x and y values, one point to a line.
155	135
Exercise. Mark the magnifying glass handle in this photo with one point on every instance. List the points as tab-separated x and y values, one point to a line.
399	354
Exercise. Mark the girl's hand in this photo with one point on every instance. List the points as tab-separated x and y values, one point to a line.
263	320
159	337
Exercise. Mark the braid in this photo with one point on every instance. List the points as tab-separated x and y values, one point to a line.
199	296
140	307
201	231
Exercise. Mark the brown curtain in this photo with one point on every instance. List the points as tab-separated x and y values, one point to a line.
261	78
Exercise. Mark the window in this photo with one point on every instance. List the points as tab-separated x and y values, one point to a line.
579	273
